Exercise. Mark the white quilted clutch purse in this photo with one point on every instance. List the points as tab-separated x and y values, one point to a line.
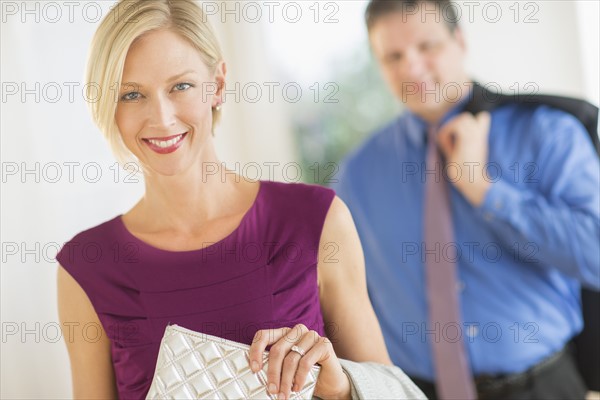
193	365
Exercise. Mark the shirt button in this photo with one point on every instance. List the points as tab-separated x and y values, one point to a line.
472	331
488	216
460	286
498	205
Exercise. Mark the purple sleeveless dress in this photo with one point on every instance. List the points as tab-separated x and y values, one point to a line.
262	275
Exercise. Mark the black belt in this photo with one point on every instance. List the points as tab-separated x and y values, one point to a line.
495	385
499	386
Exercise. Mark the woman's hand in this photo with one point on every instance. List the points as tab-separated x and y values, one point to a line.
288	369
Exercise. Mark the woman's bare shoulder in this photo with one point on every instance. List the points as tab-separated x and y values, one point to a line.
91	364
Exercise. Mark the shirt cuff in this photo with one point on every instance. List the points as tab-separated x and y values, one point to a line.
500	202
353	393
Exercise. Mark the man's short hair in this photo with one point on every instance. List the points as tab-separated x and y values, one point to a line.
379	8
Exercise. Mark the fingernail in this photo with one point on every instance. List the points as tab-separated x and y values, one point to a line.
272	388
254	366
281	396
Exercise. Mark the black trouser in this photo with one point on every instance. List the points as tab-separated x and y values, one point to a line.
554	378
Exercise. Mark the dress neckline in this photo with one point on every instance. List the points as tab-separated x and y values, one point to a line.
132	238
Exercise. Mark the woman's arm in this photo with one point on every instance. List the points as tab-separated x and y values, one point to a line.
353	331
350	320
91	365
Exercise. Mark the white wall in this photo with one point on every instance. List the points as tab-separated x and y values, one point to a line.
589	43
540	45
551	53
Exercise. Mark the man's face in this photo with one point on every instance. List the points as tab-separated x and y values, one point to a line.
421	60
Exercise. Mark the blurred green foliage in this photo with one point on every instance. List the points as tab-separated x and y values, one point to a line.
349	107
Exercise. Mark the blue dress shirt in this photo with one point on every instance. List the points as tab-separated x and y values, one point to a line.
522	255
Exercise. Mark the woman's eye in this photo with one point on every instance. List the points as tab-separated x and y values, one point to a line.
181	86
130	96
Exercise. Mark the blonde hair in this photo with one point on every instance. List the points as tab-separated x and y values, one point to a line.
127	21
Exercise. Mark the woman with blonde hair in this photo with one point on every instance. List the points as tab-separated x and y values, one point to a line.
258	262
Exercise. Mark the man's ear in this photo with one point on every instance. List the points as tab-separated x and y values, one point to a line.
460	38
220	75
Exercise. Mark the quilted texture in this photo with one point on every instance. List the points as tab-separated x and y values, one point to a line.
193	365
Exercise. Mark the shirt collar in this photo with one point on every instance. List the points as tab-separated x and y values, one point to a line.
417	126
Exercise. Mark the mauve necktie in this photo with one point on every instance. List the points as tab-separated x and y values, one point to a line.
452	372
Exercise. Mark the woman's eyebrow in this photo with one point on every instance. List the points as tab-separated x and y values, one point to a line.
129	84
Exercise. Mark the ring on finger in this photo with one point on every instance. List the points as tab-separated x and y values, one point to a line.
298	350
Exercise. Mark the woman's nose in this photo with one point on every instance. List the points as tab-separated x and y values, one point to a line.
162	113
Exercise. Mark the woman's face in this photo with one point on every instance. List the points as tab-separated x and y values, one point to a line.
164	110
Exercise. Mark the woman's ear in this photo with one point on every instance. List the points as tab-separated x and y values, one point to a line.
220	74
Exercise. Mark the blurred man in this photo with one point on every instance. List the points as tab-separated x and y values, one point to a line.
478	230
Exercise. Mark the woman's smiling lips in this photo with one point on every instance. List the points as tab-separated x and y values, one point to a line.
165	145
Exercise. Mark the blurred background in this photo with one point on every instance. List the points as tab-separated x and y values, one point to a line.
302	91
